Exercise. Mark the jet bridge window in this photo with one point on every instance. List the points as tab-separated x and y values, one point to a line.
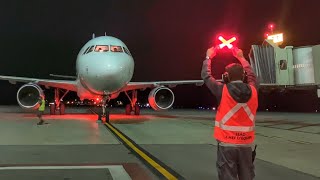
101	48
116	48
283	65
127	51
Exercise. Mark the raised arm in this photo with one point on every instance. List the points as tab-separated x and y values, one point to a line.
206	74
252	79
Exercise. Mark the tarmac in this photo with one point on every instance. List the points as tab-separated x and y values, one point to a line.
75	146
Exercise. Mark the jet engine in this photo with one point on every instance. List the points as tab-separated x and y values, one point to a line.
28	96
161	98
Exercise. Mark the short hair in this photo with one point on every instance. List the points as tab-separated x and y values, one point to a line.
235	71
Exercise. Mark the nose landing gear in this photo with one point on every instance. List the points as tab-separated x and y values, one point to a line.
133	106
105	116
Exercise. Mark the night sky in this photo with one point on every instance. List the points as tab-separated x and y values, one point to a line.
168	38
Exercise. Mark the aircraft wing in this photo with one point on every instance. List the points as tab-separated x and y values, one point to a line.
143	85
63	84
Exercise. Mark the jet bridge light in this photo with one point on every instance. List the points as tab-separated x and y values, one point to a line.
276	38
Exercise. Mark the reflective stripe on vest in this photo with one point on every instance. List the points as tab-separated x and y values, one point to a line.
227	117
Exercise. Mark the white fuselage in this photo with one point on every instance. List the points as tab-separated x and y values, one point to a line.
104	66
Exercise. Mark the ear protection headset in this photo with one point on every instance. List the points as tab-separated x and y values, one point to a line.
226	78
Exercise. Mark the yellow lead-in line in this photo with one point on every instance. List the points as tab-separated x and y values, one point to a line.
154	164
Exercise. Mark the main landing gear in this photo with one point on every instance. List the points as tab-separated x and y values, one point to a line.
105	114
133	106
58	105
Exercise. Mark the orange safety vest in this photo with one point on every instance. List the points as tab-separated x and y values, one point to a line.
235	121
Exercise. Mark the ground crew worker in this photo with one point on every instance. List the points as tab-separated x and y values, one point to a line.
41	109
234	123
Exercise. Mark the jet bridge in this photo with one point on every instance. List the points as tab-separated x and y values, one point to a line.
287	68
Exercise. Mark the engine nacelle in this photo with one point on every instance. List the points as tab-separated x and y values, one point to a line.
161	98
28	96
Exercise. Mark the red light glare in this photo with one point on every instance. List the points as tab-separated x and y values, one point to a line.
97	99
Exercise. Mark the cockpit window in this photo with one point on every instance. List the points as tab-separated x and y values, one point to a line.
101	48
91	49
126	51
116	48
86	50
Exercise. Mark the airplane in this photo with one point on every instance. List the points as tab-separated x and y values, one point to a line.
104	69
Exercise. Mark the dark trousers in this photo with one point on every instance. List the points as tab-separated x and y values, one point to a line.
39	114
235	163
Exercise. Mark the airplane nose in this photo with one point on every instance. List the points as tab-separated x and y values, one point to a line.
109	73
107	78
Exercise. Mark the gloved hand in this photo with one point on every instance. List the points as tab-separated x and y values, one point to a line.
211	52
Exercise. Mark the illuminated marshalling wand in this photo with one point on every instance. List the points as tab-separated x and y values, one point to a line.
226	43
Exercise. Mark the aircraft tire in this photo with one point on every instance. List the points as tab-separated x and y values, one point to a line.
62	109
107	116
128	109
52	109
137	109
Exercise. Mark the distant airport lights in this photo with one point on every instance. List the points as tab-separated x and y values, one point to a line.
226	42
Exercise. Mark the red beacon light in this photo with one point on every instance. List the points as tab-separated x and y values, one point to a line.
271	26
226	42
